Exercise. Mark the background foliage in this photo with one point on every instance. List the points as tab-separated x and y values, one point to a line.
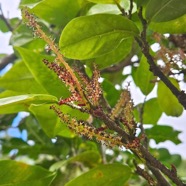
103	32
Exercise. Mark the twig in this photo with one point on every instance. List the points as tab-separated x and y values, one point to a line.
141	111
130	10
5	20
160	179
144	174
118	66
6	60
152	161
120	8
180	95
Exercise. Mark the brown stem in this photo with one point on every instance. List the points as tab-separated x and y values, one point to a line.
180	95
160	179
152	161
7	59
130	10
144	174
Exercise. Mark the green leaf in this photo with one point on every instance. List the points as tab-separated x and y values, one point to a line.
167	101
173	27
104	9
166	158
161	133
14	173
88	158
95	35
49	121
109	91
105	1
58	13
15	104
111	174
116	55
19	79
165	10
21	35
3	26
151	112
143	77
42	74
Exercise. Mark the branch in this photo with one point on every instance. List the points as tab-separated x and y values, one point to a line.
144	174
5	20
130	10
180	95
152	161
6	60
118	66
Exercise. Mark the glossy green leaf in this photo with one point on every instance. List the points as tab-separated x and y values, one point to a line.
15	104
173	27
143	77
49	121
111	174
165	10
105	1
42	74
151	112
14	173
19	79
161	133
58	13
116	55
92	36
167	101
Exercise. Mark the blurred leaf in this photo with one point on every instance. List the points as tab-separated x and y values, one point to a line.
20	174
29	2
92	36
167	101
151	112
115	55
109	91
3	26
143	77
162	133
104	9
42	74
15	104
58	13
173	27
88	158
49	121
165	10
166	158
105	1
111	174
21	35
19	79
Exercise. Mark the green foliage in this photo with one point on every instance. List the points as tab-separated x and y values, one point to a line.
102	176
111	39
161	133
22	174
101	34
167	101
